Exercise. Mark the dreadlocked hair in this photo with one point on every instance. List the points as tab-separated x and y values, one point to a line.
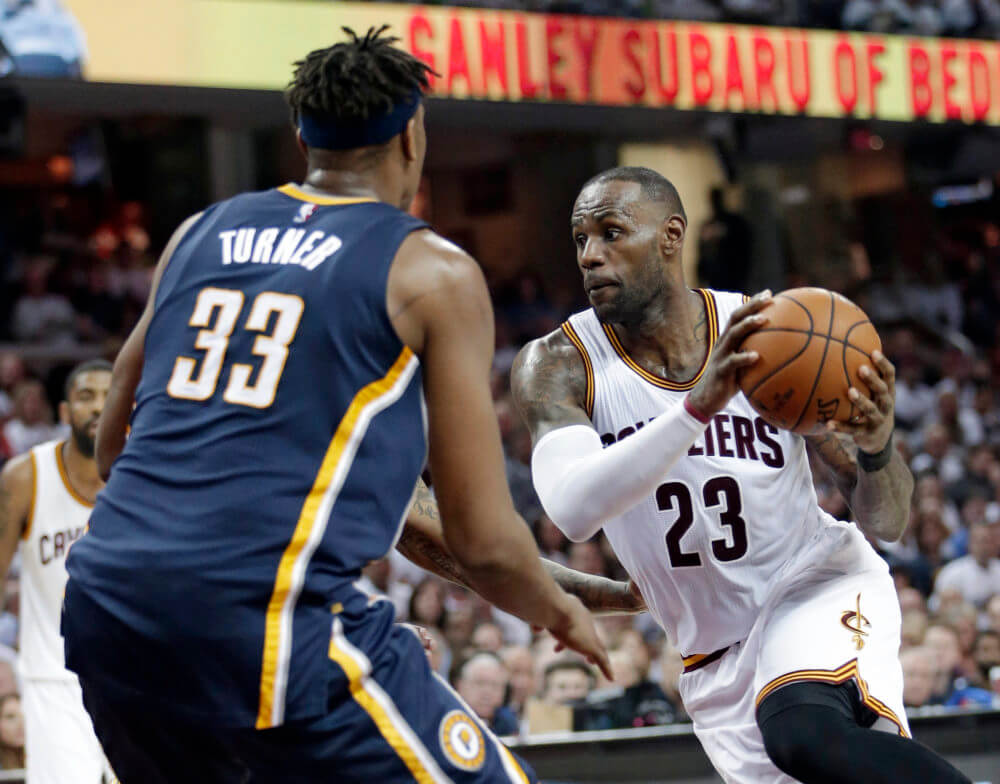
356	79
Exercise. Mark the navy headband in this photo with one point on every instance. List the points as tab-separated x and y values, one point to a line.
325	132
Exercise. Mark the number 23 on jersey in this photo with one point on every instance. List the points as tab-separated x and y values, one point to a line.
217	311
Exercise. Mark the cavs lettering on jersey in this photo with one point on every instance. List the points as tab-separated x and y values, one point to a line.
728	518
58	518
278	432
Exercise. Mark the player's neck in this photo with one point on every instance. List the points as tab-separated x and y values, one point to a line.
375	184
671	340
81	471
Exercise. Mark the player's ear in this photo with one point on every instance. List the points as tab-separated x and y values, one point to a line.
672	235
64	412
301	144
408	139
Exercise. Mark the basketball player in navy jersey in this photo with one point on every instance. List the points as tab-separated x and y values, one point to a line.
301	350
787	618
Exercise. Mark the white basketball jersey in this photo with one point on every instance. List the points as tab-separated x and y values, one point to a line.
729	519
58	518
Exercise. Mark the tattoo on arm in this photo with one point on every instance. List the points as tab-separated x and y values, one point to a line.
549	385
879	500
425	552
598	594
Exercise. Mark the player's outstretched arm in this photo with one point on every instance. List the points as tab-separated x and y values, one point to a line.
422	541
579	482
870	473
17	488
113	424
438	303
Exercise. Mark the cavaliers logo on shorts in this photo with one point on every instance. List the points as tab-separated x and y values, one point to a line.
462	741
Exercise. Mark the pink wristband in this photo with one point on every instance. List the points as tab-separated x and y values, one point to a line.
689	407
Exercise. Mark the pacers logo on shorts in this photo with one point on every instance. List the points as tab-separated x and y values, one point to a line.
462	741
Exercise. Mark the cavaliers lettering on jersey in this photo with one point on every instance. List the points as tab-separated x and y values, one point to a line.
278	432
731	516
58	518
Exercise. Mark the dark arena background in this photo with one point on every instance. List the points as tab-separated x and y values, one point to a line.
852	145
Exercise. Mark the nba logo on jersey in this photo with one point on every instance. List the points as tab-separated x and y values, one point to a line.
306	211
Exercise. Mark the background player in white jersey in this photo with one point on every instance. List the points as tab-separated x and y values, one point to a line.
46	496
787	617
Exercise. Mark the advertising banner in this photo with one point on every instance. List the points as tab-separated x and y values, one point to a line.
492	55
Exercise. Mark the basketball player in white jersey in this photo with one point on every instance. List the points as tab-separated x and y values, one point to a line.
46	496
787	618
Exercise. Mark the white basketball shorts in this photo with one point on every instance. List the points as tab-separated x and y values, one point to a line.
60	744
835	620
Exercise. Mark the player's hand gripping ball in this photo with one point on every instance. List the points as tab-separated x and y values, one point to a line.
820	362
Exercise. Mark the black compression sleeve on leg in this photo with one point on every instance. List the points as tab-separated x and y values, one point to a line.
817	740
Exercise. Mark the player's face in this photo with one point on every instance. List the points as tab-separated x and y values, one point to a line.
616	233
82	410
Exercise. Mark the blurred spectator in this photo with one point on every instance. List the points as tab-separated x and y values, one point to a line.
41	316
942	640
440	654
939	455
986	653
520	669
41	39
724	247
920	673
975	576
11	375
913	629
31	423
427	606
11	733
993	614
551	542
376	580
567	681
487	637
482	682
8	673
587	557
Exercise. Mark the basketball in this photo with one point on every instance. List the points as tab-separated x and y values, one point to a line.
811	349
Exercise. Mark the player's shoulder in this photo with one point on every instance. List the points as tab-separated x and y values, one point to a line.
425	261
551	361
729	298
18	473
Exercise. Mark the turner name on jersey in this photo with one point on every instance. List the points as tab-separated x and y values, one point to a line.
729	435
271	245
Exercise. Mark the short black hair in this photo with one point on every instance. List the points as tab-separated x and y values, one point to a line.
654	185
84	367
567	664
357	79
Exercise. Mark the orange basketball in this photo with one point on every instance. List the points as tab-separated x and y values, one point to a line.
811	349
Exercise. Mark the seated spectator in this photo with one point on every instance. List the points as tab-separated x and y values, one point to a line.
993	614
986	653
551	542
12	373
32	421
920	673
913	628
42	316
929	534
487	637
587	557
975	576
11	733
567	681
521	676
426	606
632	700
376	580
482	683
943	641
939	455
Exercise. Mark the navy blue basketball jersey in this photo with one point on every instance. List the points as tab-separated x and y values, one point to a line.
278	432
